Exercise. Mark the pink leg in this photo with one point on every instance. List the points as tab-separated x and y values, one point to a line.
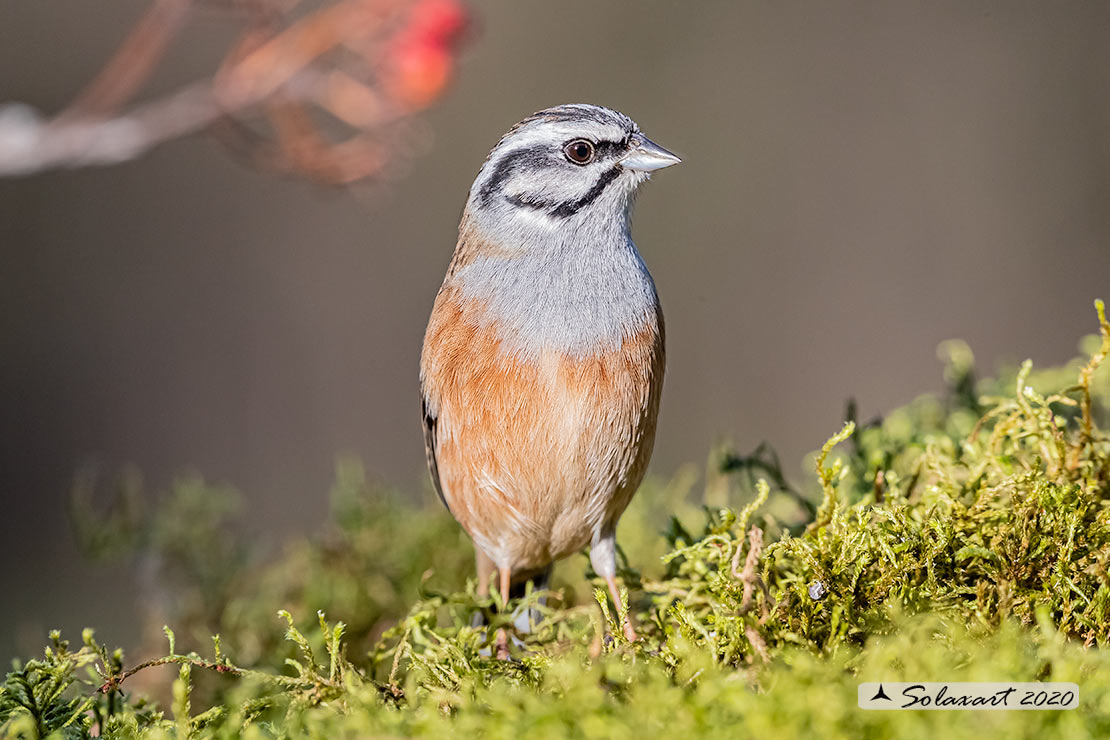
629	631
485	571
502	636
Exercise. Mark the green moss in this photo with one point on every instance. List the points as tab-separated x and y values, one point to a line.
963	537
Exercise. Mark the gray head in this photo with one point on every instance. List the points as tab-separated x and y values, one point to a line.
562	168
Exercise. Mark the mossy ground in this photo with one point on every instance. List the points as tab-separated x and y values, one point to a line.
964	537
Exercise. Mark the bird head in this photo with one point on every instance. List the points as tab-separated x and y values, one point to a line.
563	168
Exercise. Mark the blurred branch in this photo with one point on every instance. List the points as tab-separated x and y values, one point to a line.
369	65
134	61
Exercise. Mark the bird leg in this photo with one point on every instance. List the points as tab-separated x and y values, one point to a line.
603	558
629	630
502	636
485	569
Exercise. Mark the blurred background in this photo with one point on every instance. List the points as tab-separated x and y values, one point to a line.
862	180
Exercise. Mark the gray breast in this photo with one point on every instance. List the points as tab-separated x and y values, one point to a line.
578	300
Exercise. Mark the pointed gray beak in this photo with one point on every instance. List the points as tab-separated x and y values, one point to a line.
646	156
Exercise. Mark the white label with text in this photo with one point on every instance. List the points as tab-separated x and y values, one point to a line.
966	695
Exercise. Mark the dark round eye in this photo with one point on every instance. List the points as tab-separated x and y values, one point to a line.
580	151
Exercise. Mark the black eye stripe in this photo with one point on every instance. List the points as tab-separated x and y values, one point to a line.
533	156
607	149
538	155
603	149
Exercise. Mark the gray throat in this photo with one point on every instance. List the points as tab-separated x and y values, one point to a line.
579	287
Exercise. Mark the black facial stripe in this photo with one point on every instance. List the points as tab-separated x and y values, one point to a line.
571	207
568	208
534	156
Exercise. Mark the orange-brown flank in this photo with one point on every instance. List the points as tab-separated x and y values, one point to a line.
536	455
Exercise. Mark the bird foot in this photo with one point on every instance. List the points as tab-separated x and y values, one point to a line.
502	645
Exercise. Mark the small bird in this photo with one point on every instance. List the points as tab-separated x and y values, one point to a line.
543	359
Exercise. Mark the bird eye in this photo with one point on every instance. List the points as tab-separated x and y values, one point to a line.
580	151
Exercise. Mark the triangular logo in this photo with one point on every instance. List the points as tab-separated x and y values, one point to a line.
880	694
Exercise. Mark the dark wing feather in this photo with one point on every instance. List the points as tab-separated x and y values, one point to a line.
430	446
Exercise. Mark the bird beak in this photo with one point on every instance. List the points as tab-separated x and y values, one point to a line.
645	156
